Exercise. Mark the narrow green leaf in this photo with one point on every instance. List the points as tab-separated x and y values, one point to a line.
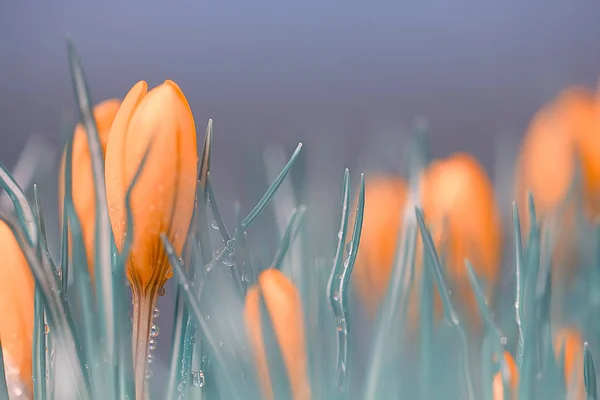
39	348
589	373
258	209
450	314
196	312
3	385
102	257
289	236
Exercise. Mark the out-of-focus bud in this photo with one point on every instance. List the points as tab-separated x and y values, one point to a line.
283	304
84	196
513	378
163	198
561	136
571	341
16	309
385	199
461	212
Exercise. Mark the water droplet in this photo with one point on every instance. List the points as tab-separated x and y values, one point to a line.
198	378
154	331
152	345
204	359
148	374
503	341
220	344
47	329
161	291
192	340
214	225
150	358
155	312
349	247
336	296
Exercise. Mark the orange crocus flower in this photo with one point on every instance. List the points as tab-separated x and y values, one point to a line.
513	374
562	134
461	211
162	200
284	306
456	191
385	199
16	308
84	197
573	350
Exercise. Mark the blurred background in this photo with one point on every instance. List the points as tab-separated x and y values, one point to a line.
347	78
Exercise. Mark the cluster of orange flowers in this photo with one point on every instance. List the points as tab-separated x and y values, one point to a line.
458	203
456	196
158	123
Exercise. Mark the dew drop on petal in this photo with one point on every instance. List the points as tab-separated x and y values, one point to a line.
155	312
152	345
150	358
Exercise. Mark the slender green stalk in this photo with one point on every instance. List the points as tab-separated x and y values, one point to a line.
589	373
102	258
39	348
3	385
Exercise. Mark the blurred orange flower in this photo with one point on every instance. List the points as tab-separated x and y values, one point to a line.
571	340
456	192
284	306
84	200
562	134
16	307
385	199
513	376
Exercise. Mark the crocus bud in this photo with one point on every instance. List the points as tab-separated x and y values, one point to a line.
513	378
461	212
163	197
571	341
560	138
283	304
16	309
385	199
84	196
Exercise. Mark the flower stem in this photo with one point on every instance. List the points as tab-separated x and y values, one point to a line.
143	304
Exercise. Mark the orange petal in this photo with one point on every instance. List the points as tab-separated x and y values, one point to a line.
573	350
16	307
82	179
283	303
513	374
163	198
385	199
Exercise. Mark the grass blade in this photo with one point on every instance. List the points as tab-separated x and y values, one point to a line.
39	348
258	209
289	236
196	312
103	233
22	206
3	385
450	314
589	373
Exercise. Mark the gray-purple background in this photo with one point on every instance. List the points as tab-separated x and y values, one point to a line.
311	71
